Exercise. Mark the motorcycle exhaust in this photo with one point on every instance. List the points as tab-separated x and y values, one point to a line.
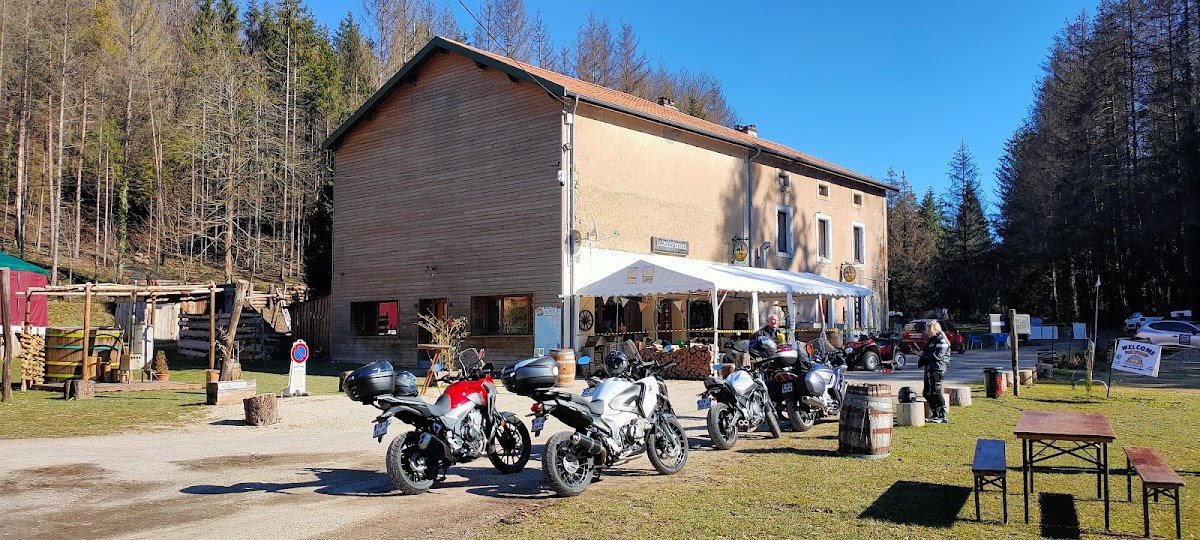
586	444
433	446
813	402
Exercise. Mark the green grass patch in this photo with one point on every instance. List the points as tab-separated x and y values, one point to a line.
46	414
70	313
798	487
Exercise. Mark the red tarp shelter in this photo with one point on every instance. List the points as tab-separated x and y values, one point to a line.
24	276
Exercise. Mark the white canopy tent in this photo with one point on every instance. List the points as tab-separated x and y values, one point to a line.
660	275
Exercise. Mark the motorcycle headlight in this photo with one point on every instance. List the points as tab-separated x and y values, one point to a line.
849	350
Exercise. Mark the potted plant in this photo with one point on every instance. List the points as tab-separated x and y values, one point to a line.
161	371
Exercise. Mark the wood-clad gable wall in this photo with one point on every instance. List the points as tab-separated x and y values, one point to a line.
449	190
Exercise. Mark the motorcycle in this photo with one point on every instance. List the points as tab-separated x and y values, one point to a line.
741	402
873	351
623	416
823	390
462	425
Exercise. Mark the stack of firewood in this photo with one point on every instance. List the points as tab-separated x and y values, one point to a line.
692	363
33	357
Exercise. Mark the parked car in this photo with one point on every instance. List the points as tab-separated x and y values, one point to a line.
913	336
1135	321
1170	333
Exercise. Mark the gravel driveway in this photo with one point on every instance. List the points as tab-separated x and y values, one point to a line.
317	474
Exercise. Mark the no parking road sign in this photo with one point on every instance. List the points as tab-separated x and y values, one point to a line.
298	369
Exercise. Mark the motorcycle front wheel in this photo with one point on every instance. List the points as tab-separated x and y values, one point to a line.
409	468
509	449
801	417
568	472
722	426
667	446
772	421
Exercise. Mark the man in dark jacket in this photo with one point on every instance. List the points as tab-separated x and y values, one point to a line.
771	329
936	359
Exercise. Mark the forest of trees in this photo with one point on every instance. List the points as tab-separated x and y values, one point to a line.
1102	180
181	139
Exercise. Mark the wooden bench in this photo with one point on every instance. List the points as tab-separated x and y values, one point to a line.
990	469
1157	479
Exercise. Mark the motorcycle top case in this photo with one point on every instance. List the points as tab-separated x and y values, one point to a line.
370	381
785	358
530	375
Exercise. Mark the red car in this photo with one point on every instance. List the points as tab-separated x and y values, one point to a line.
914	338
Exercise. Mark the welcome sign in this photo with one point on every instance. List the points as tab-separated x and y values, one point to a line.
1137	357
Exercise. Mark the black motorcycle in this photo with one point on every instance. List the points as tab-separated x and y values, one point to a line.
737	402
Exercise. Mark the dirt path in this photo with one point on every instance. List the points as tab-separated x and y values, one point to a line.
318	474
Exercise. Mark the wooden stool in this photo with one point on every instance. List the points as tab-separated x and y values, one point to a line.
990	469
911	414
960	396
1027	377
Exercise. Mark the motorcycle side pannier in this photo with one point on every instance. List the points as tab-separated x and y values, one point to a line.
370	381
530	375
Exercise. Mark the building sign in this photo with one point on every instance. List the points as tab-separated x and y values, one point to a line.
1021	324
1137	357
668	246
741	252
849	273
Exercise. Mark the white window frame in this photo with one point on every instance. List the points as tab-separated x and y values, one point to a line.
828	247
828	190
790	249
856	229
856	195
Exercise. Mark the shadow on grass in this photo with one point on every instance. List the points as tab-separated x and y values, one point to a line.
228	423
1066	401
919	503
813	452
1059	516
342	482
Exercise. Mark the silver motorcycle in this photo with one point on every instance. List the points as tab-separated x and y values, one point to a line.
738	402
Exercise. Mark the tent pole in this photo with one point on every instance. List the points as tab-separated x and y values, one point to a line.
791	326
755	323
716	319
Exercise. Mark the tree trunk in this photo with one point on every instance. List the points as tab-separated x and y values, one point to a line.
230	364
261	410
79	183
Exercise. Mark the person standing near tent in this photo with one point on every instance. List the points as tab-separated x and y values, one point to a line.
935	359
771	329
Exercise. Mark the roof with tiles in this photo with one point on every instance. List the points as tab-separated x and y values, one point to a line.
559	85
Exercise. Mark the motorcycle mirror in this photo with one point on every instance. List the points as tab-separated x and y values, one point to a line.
488	367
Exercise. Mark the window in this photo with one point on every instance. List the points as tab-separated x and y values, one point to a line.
860	242
823	191
783	231
501	315
856	198
374	318
824	238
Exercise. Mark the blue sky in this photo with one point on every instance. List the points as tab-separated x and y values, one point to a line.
866	85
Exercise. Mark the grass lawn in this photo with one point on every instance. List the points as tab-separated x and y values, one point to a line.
798	487
46	414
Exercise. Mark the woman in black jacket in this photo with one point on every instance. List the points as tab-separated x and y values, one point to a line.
936	359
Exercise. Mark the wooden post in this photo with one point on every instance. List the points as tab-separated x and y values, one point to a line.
212	325
230	368
1012	340
87	322
28	308
6	319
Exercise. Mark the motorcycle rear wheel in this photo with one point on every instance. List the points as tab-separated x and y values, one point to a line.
409	468
667	446
509	449
802	418
773	422
722	426
568	472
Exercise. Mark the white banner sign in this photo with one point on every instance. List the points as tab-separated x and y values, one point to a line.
1137	357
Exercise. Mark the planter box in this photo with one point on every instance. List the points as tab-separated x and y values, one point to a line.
228	392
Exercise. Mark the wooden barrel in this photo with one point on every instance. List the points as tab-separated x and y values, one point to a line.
566	366
865	427
63	360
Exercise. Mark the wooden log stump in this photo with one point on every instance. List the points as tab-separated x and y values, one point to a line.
1007	378
911	414
1027	377
960	396
1045	371
79	389
261	410
342	380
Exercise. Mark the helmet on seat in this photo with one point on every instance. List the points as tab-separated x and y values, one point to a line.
617	363
763	347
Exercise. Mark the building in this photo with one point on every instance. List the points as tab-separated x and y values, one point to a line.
470	185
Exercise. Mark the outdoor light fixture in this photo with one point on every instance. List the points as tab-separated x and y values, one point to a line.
430	267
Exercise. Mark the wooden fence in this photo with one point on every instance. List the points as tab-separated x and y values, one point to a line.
251	336
311	321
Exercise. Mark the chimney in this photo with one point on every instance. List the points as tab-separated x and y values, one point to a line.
667	102
748	129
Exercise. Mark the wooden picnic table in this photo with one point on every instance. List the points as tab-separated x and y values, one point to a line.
1046	435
